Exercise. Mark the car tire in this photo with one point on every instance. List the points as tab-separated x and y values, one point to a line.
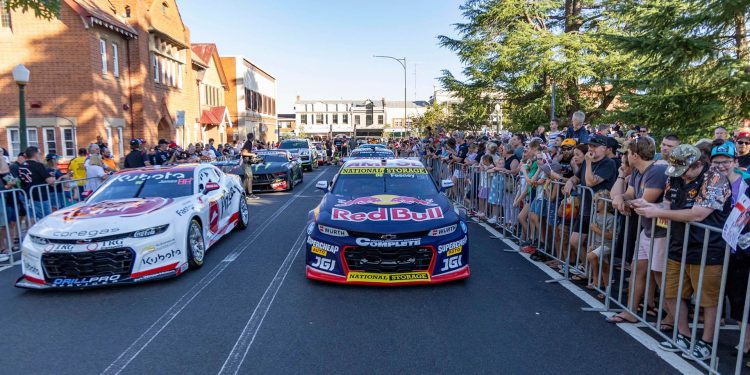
301	176
196	245
244	214
289	182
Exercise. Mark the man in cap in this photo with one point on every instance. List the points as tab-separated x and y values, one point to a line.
695	192
743	149
598	173
136	158
162	153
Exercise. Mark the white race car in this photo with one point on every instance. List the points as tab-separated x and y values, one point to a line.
141	225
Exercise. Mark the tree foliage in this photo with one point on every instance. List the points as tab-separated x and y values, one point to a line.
44	9
676	65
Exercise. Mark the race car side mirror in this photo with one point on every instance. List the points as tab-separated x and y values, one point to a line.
446	184
211	186
322	185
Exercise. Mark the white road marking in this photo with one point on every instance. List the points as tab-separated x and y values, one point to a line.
673	359
242	346
132	351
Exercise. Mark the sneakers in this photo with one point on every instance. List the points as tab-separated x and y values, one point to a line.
528	249
701	352
251	197
4	257
682	343
492	220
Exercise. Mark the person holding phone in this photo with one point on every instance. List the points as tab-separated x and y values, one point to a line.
597	173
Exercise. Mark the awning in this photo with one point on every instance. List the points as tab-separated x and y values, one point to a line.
93	15
216	116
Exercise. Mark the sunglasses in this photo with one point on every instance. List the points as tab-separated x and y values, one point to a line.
742	143
566	148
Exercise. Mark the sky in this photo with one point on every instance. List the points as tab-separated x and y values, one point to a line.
323	49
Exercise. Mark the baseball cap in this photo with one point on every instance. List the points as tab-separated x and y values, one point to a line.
682	157
135	142
172	145
163	142
743	135
52	156
598	140
569	142
613	143
725	149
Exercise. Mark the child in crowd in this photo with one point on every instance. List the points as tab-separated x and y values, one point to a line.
484	184
601	230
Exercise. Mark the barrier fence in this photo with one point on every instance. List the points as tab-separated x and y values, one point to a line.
628	262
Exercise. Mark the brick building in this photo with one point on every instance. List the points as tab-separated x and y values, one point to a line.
115	68
213	119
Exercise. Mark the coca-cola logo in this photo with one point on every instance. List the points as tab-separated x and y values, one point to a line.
123	207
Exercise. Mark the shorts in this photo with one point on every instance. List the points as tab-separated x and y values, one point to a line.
658	257
483	193
536	207
602	252
711	282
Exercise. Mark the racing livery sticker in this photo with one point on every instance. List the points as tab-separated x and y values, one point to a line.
385	200
383	214
388	243
213	217
123	207
388	277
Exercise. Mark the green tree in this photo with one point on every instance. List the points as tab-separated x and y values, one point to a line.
435	115
693	72
521	47
45	9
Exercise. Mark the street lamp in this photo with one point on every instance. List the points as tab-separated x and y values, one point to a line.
21	76
403	64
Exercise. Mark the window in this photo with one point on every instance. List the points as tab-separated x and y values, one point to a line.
120	142
15	140
103	52
127	11
368	119
4	16
357	119
68	142
335	118
164	7
344	118
319	118
50	144
380	119
115	60
303	119
155	67
179	76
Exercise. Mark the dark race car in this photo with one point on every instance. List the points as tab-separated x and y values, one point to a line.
384	222
273	170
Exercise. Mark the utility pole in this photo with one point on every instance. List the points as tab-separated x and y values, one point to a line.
401	61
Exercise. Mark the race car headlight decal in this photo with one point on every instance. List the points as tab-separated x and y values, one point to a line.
464	228
280	174
150	231
38	240
332	231
443	231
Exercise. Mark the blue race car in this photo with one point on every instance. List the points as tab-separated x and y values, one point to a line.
385	222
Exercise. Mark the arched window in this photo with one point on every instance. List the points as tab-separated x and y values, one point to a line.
4	15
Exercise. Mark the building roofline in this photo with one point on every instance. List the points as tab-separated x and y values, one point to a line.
241	57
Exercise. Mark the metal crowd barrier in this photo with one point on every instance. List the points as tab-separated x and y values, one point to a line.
13	224
543	223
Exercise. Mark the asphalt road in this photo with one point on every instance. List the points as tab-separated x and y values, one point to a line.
251	310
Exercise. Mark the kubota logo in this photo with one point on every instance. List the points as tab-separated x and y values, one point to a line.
385	200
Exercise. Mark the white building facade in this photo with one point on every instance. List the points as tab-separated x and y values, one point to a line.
361	118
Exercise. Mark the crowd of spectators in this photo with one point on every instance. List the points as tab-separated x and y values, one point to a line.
573	196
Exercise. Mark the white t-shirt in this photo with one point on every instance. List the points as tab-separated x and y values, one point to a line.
94	174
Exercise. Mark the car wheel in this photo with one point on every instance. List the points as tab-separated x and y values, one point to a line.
301	176
196	245
289	181
244	218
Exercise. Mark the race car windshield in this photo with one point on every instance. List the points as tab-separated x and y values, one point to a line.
360	182
372	154
286	145
146	185
274	158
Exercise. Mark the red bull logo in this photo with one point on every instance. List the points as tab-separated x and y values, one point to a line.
383	214
385	200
